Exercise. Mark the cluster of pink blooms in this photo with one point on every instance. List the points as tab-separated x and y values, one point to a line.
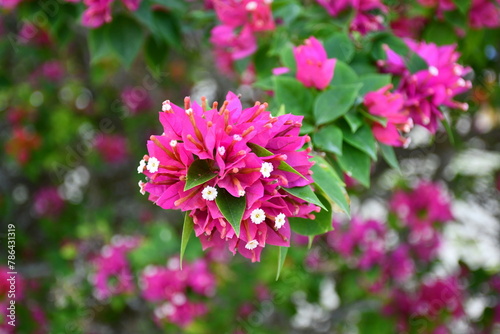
235	38
112	148
482	13
113	275
168	288
384	103
226	140
47	203
423	211
9	4
98	12
366	18
425	91
136	99
438	300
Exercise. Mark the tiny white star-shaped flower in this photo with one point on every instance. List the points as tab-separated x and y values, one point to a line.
237	137
166	106
433	71
266	169
279	221
142	164
153	165
252	244
173	143
251	6
241	193
189	111
257	216
142	188
209	193
221	150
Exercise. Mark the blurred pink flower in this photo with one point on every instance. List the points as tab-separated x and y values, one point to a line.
97	13
237	45
136	99
313	67
47	202
484	14
223	139
256	14
410	27
389	105
9	4
112	148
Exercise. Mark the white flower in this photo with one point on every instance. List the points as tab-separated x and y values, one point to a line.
252	5
221	150
433	71
178	298
165	106
142	164
153	165
279	221
142	188
252	244
237	137
209	193
173	143
266	169
258	216
241	193
189	111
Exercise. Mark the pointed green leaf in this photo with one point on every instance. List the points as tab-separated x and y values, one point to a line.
335	102
416	63
305	193
98	43
125	37
328	139
379	119
344	74
449	131
354	120
297	98
329	182
389	156
340	46
310	240
355	163
232	208
263	152
281	260
363	139
198	173
187	229
321	224
373	82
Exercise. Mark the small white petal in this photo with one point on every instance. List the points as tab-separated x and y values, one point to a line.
189	111
237	137
142	164
257	216
166	106
266	169
153	165
241	193
209	193
142	188
433	71
221	150
173	143
279	221
252	244
252	5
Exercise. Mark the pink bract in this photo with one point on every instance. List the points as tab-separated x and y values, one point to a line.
314	69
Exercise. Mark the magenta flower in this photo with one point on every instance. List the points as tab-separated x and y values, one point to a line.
227	145
113	274
410	27
238	45
167	288
484	14
441	5
112	148
389	105
47	203
256	14
97	14
9	4
136	99
313	67
427	90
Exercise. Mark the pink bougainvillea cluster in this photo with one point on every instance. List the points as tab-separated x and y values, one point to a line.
235	37
367	13
113	275
228	142
99	12
173	291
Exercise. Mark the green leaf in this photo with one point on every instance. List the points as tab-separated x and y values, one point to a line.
281	260
329	182
293	94
335	102
389	156
125	37
339	46
379	119
343	75
328	139
263	152
449	130
463	5
320	225
354	120
187	229
362	139
232	208
355	163
98	45
441	33
305	193
155	53
287	58
198	173
167	26
373	82
416	63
